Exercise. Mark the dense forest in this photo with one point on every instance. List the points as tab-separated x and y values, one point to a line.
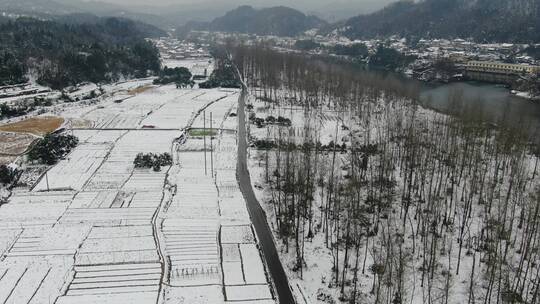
59	54
412	206
482	20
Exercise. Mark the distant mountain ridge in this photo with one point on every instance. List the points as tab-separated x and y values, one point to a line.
482	20
279	21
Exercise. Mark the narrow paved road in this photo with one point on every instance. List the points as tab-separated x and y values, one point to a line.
258	216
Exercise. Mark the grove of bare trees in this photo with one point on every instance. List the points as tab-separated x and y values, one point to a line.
414	206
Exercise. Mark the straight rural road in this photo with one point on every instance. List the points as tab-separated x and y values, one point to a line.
258	216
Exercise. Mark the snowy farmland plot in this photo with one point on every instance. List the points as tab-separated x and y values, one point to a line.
125	283
34	209
118	166
191	225
98	136
193	250
60	240
35	283
219	110
113	250
183	109
76	169
117	199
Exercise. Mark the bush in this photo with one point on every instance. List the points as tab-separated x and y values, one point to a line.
270	119
284	121
52	148
264	144
7	174
165	159
154	161
259	122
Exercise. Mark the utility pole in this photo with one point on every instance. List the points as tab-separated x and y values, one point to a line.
211	146
47	180
204	138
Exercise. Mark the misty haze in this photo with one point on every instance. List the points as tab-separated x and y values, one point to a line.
269	151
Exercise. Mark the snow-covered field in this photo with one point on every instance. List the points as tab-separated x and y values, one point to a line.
94	229
206	225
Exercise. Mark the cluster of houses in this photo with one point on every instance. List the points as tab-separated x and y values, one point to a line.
496	62
171	48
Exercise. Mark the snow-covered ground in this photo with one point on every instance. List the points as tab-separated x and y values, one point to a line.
206	226
94	229
316	284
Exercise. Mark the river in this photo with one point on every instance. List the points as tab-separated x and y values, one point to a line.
490	102
495	102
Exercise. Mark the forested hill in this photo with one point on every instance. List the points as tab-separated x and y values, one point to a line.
279	21
59	54
141	29
482	20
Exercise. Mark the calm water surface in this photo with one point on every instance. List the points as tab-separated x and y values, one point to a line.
493	102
